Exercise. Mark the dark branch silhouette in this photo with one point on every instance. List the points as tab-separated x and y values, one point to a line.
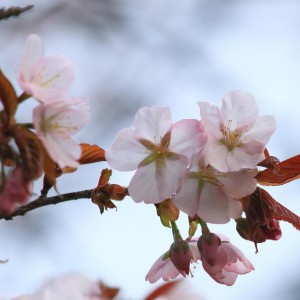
44	201
13	11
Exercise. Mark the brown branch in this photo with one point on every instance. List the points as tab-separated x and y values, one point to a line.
13	11
44	201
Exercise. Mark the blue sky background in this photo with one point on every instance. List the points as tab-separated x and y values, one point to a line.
129	54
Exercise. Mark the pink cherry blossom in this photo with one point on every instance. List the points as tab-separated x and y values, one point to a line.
55	122
159	150
237	135
222	260
67	287
211	194
43	77
15	191
164	268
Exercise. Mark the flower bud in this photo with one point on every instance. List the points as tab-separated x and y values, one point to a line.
181	256
167	211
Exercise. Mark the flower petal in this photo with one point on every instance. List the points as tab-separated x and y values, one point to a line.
143	185
211	119
34	50
169	175
240	107
50	77
187	137
152	123
126	152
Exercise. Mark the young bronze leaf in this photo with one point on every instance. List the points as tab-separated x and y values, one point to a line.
163	290
31	152
284	172
91	154
284	214
8	97
51	170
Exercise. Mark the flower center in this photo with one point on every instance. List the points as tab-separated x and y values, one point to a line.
208	175
157	151
232	137
56	124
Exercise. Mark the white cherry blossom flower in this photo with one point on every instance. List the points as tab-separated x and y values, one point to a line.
55	122
159	150
211	194
164	269
43	77
237	135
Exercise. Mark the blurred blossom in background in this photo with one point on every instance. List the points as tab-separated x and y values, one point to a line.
130	54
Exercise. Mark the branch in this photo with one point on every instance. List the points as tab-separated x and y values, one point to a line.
13	11
44	201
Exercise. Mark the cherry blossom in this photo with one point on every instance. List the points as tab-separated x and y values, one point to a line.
67	287
211	194
237	135
55	122
159	150
222	260
14	191
165	269
43	77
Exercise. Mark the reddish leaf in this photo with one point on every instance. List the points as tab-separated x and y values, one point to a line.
104	177
284	214
51	170
163	290
91	154
107	292
8	97
31	152
284	172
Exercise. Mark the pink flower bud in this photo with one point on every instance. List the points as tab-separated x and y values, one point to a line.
222	260
181	256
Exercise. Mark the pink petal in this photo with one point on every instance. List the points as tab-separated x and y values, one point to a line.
216	154
34	50
51	76
211	119
239	184
213	206
240	107
247	156
152	123
143	185
262	130
162	268
169	175
62	149
187	137
126	152
187	200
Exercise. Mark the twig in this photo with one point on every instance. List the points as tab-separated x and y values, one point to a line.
44	201
13	11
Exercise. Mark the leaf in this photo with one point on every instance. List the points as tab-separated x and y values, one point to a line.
284	214
284	172
8	97
51	170
163	290
31	152
91	154
107	292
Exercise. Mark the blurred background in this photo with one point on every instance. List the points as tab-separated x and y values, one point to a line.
129	54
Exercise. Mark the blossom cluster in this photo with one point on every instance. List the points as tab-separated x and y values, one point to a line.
58	116
46	143
205	167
